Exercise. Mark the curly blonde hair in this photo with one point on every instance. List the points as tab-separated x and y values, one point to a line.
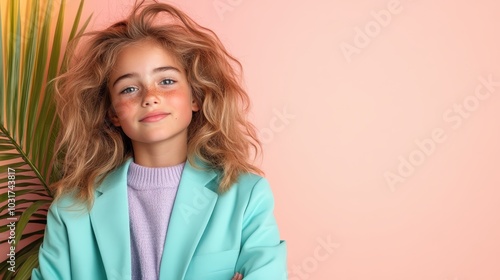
89	146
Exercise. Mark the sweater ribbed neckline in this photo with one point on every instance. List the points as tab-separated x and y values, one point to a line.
146	178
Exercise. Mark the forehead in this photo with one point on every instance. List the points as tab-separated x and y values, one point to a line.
145	52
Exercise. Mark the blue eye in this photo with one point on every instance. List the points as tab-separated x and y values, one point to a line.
167	82
128	90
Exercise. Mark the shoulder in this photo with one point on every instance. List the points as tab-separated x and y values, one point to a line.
249	182
67	206
69	202
254	191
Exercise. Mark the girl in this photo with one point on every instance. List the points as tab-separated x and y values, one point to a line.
154	145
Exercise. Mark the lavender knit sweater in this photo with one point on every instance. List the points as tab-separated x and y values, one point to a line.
151	195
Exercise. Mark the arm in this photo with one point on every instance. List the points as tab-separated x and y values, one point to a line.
53	257
263	254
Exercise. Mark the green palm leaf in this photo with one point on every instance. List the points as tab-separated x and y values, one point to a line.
28	122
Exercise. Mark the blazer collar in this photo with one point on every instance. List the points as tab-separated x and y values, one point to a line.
193	206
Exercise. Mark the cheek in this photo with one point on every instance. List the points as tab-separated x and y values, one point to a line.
181	99
183	107
123	108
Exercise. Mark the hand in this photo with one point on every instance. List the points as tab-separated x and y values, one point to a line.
237	276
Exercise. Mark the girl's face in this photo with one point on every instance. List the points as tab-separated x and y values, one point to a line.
150	96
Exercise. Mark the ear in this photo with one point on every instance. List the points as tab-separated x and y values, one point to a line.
113	117
194	106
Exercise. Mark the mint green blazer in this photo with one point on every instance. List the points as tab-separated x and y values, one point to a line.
209	236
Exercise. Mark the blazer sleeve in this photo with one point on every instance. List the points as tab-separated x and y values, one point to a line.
262	253
53	256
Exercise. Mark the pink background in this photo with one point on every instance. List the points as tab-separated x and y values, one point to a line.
348	93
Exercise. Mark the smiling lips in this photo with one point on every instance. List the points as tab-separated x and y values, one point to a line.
154	117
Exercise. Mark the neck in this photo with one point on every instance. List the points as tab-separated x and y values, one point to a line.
160	154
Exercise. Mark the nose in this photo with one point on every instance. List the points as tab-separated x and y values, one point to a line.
151	97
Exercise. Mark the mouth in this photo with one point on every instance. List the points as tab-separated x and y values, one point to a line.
154	117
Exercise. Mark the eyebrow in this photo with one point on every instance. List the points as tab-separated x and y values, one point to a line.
134	74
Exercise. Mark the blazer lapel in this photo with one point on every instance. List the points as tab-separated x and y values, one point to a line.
110	222
193	206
